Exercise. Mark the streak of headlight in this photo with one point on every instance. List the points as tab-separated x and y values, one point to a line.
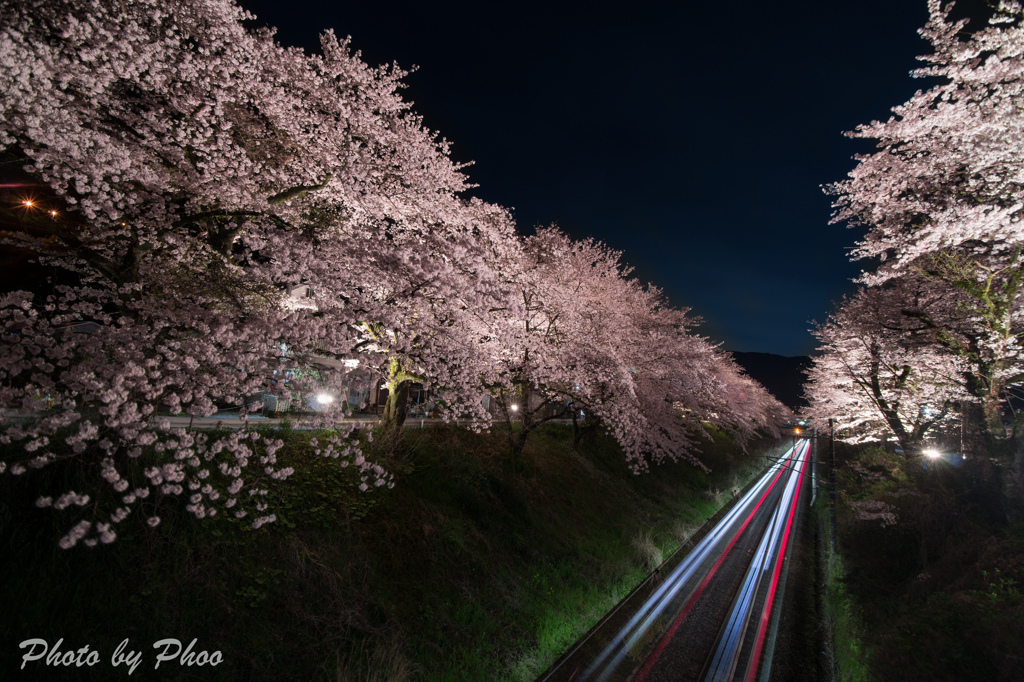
723	664
766	611
648	665
642	620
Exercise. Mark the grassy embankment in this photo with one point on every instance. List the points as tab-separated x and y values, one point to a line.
463	571
845	649
939	595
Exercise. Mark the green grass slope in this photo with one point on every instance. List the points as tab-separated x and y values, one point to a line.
462	571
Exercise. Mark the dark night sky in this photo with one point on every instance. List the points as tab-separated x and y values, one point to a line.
694	137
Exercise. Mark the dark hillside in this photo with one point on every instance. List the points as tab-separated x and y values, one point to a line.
782	376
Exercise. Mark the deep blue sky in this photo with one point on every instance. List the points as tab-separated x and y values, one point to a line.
694	137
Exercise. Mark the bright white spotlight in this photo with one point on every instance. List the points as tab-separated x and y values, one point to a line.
325	398
515	408
932	453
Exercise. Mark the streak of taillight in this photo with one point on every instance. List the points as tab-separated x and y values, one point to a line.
762	626
653	658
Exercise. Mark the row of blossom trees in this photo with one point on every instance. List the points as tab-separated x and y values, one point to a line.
183	172
935	330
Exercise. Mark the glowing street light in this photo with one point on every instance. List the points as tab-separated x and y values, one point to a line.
932	453
515	408
325	398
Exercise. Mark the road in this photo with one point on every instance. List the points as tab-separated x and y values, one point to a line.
711	613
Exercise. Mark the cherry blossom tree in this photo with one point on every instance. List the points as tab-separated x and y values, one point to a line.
542	355
942	195
427	327
878	373
580	336
742	406
680	383
191	172
194	171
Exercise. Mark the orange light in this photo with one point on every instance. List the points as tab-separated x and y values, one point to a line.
53	213
796	431
28	203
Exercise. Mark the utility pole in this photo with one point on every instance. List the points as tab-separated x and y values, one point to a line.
832	487
963	427
814	467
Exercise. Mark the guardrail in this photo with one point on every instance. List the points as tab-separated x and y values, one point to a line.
221	421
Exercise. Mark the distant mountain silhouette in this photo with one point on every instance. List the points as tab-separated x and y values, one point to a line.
782	376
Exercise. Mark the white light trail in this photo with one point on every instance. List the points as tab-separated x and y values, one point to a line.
639	624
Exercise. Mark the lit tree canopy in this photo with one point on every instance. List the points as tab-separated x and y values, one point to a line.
193	172
580	335
878	373
941	198
196	170
949	170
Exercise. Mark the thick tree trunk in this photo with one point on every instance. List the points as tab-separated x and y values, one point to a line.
517	413
397	406
988	410
974	433
993	413
577	432
910	441
912	448
395	409
580	428
516	443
